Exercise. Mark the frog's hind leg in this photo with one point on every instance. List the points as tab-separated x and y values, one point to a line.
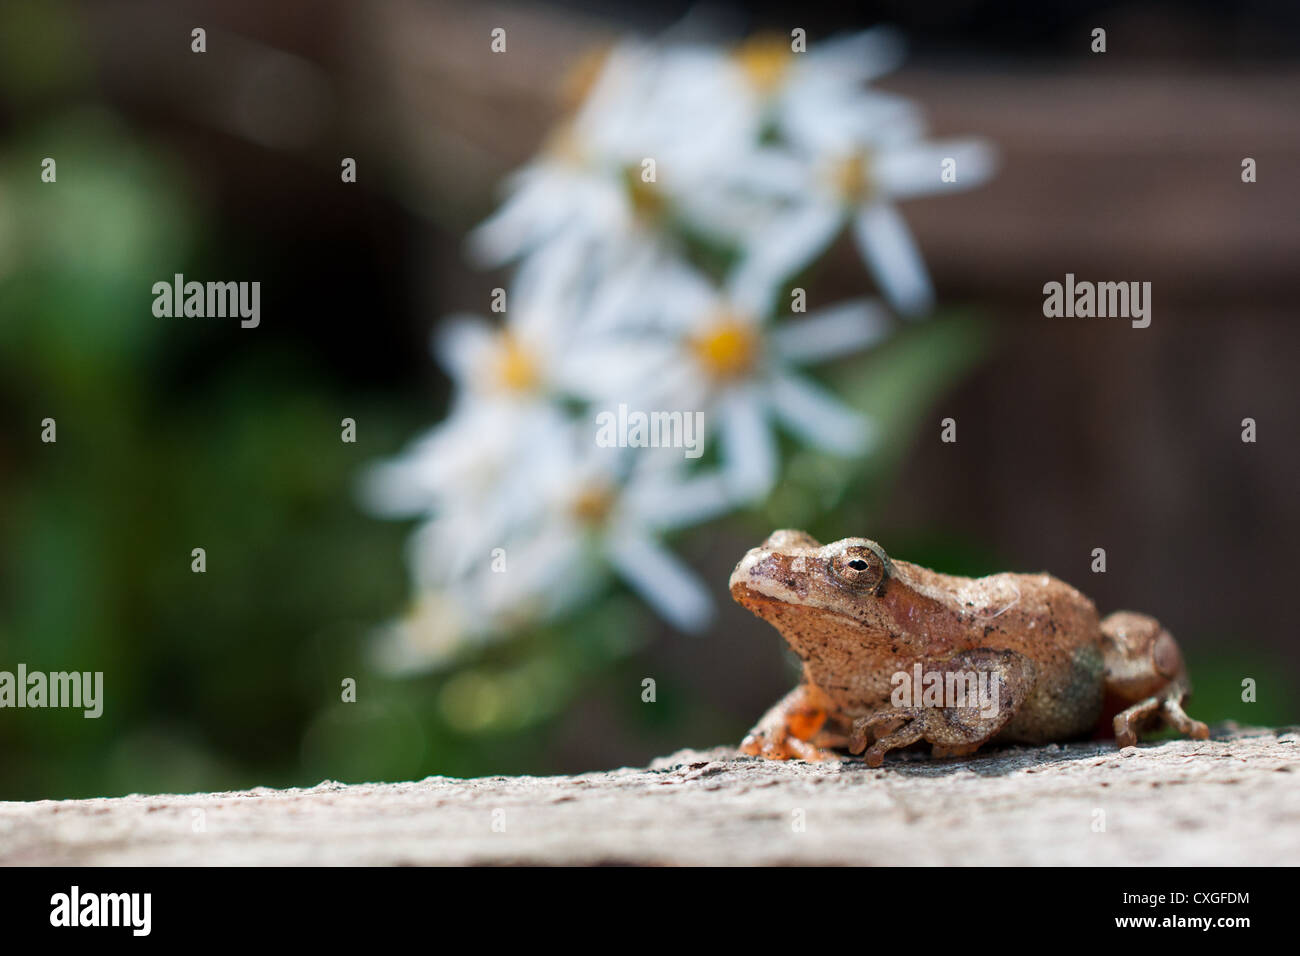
794	728
905	736
879	725
891	729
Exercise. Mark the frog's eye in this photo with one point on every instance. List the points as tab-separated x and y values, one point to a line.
862	569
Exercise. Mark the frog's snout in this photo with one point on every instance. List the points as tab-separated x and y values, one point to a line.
745	571
769	575
777	572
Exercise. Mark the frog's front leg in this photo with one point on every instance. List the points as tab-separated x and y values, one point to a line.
1167	706
1172	709
974	694
795	728
1127	722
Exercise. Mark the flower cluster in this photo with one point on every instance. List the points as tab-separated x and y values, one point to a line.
653	243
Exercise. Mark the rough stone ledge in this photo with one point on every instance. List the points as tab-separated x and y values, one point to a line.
1234	799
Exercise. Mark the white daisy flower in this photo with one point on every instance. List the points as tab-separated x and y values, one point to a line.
714	350
610	508
469	477
592	191
856	183
605	511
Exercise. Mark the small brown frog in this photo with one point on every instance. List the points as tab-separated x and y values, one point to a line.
894	653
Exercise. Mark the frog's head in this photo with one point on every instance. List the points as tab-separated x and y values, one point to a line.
1141	657
813	593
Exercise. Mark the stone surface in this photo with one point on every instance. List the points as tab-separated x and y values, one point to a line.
1234	799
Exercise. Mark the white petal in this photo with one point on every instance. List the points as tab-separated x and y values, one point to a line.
917	169
461	344
396	489
608	372
857	57
526	216
686	297
895	262
667	503
769	172
667	585
829	332
784	248
541	297
619	299
430	636
748	449
546	571
845	124
819	417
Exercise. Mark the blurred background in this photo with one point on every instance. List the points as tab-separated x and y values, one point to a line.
1072	434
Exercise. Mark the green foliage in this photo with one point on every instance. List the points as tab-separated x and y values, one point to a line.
210	679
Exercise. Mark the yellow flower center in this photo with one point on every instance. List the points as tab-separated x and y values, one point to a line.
850	177
592	504
765	60
728	349
513	368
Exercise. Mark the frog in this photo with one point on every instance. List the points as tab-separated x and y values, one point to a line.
876	635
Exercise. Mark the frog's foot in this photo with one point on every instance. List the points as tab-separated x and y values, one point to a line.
1168	706
792	729
1176	717
890	729
880	724
1128	721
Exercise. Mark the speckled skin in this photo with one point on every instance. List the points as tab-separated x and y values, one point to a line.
856	618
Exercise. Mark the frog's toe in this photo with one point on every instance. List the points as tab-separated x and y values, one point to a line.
759	743
905	736
1176	717
803	750
873	726
771	743
781	745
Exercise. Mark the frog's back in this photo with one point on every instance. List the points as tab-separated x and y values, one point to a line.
1039	616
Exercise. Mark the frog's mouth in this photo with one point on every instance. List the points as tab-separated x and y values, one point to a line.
747	597
779	601
807	627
